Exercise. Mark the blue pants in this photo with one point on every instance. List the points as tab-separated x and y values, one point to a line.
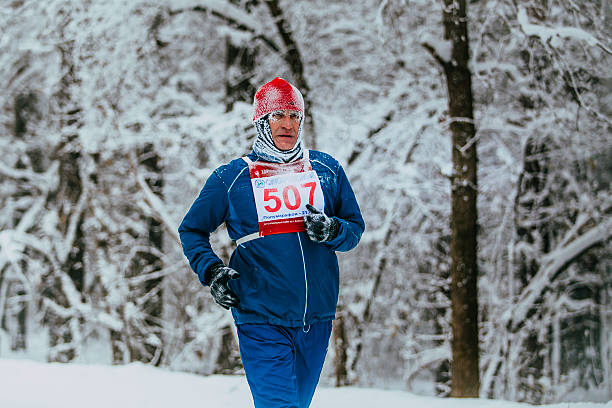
283	364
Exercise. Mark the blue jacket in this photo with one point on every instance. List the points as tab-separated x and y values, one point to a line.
285	279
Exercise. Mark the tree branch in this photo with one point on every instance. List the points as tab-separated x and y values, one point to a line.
42	181
553	264
359	147
380	263
551	35
158	208
434	53
235	16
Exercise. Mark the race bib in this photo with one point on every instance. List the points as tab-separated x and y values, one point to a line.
281	192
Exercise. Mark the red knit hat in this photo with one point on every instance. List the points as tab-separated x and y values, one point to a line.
277	94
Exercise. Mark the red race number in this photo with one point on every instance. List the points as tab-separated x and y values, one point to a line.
275	203
296	196
312	186
268	196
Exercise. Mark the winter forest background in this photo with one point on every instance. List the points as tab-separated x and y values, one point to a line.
113	114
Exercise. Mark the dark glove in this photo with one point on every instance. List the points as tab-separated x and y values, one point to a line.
217	277
320	227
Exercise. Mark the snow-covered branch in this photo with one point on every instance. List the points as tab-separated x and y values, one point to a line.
228	12
435	53
11	248
64	247
98	318
438	47
41	181
157	207
552	264
553	35
219	7
426	358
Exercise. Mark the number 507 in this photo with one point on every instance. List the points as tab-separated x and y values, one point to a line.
291	197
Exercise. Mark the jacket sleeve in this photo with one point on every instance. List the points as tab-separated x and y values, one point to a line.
207	212
346	211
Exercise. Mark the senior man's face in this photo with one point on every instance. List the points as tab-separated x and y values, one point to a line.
284	125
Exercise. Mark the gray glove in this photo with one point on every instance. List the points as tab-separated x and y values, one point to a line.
320	227
217	277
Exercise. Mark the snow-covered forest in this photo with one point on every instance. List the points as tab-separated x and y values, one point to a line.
114	113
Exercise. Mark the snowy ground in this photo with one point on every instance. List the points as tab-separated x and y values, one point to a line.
28	384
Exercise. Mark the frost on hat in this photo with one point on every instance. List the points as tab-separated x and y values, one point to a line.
277	94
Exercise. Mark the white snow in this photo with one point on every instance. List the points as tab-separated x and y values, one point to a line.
29	384
554	35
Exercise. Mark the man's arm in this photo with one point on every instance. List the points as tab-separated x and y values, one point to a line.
207	212
346	211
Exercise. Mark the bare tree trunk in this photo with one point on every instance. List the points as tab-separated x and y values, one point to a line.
465	377
141	337
340	350
605	341
14	319
152	288
533	232
380	263
294	59
228	360
68	197
239	68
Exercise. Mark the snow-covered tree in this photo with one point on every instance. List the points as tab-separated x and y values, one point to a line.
114	113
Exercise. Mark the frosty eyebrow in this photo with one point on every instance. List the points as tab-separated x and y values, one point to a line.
279	114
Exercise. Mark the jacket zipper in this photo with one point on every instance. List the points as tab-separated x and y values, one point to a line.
306	287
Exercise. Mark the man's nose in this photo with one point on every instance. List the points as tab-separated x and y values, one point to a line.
286	122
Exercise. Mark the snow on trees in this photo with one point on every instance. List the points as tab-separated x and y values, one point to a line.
114	113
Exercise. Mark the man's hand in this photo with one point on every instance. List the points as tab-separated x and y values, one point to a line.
220	275
320	227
